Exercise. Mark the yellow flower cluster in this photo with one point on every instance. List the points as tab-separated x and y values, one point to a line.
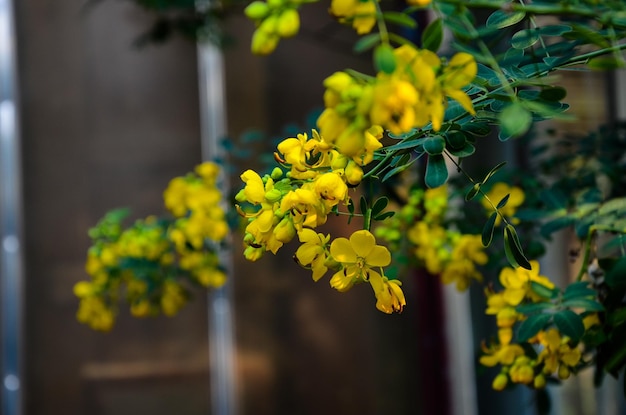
283	206
555	354
444	251
152	259
415	94
275	19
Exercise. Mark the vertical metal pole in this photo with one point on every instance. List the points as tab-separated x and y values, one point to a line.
11	263
221	336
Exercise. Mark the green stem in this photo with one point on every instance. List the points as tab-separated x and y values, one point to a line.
584	265
536	9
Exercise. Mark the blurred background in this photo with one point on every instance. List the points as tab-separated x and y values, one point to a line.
106	122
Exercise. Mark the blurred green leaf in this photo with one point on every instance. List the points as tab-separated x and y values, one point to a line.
488	228
433	35
570	324
367	42
531	326
436	171
579	290
544	291
525	38
501	19
515	120
583	303
384	58
400	19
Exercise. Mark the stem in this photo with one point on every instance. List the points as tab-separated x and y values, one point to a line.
583	267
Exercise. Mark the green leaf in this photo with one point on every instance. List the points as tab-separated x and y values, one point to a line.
434	145
554	30
385	215
569	324
533	308
503	201
525	38
579	290
379	205
384	59
583	303
433	35
501	19
436	171
605	63
544	291
363	205
531	326
553	93
400	19
493	171
468	150
367	42
477	128
513	249
406	144
488	229
472	192
616	275
515	120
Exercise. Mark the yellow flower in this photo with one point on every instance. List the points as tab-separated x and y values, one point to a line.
357	256
313	252
306	208
361	13
500	354
394	105
331	188
522	370
557	355
497	192
389	295
517	283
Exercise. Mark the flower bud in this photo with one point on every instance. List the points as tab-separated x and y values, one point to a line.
263	43
273	195
540	381
353	173
288	23
277	173
500	382
257	10
564	372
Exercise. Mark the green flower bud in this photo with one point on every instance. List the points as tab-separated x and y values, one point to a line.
275	4
500	381
273	195
288	23
263	43
277	173
257	10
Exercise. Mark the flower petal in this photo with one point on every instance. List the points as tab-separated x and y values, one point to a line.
341	250
362	242
378	257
